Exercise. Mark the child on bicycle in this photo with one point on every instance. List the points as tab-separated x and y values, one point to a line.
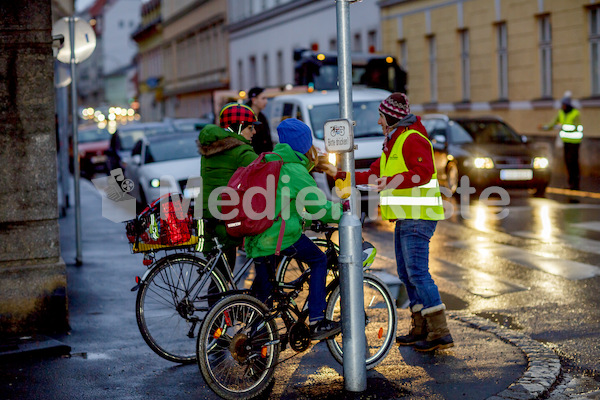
299	191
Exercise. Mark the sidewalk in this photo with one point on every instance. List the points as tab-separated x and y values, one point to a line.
109	359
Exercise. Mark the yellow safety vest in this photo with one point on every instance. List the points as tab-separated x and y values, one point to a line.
571	131
420	202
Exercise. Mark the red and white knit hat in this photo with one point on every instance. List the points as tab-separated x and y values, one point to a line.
394	108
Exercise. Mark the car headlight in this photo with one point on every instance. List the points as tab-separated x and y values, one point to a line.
155	182
483	163
540	163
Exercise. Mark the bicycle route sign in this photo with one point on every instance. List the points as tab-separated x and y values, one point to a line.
339	136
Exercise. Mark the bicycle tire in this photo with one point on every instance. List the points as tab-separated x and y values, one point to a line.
381	320
164	314
230	344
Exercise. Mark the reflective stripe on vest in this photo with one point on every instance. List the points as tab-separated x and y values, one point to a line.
420	202
570	132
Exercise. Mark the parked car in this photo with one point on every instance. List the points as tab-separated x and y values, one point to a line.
486	150
92	145
164	163
188	124
316	108
125	138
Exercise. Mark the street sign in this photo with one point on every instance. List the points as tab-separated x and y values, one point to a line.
85	40
339	136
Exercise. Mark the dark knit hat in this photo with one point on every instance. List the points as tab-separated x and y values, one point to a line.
295	133
394	108
238	115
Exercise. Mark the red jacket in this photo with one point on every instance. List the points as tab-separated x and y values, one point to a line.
417	156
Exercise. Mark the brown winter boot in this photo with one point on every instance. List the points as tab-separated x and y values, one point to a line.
438	335
418	328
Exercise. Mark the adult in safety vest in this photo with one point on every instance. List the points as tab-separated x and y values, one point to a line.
571	133
406	177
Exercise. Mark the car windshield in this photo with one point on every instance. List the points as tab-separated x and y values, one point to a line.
173	148
93	135
129	137
490	132
365	113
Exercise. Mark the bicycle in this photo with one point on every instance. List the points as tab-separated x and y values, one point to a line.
173	295
239	341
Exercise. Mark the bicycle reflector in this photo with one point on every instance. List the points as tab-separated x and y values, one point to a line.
263	352
218	333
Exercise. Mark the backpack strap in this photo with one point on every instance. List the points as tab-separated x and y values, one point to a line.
280	238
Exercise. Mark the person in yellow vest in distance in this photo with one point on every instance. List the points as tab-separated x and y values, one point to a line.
568	120
406	177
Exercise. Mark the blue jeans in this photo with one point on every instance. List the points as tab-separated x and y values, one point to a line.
309	253
411	238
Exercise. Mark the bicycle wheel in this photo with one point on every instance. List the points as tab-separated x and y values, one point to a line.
238	348
380	321
166	315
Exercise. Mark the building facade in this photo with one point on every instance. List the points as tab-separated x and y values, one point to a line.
264	34
511	58
195	58
150	62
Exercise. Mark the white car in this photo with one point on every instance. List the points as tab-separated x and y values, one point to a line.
164	163
316	108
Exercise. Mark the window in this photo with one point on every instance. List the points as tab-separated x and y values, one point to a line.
432	69
332	44
266	70
546	56
240	72
595	49
280	68
502	53
465	65
357	43
252	75
372	41
403	51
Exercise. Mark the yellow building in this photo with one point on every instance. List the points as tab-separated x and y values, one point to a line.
195	55
511	58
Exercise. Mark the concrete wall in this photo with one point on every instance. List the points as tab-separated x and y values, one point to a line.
32	273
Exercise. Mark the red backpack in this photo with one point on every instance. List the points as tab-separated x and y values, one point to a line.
254	214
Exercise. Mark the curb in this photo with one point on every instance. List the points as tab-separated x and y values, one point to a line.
543	365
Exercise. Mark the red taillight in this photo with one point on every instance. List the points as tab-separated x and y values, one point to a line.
146	262
138	279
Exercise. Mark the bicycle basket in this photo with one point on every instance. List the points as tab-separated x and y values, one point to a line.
162	225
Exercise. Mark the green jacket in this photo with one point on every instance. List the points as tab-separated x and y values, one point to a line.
296	183
223	152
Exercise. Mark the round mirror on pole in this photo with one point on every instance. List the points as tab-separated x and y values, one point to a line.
85	40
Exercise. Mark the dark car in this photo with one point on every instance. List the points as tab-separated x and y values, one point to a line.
92	144
486	150
126	136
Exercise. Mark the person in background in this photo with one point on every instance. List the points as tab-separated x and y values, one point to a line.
571	133
296	150
257	100
409	195
225	148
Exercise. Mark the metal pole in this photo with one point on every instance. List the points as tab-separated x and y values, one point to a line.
78	260
350	230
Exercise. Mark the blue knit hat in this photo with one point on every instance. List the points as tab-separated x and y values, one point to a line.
295	133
